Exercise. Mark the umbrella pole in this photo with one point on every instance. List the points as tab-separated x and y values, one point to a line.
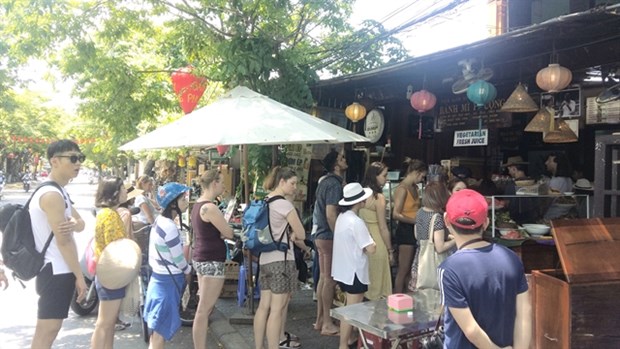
248	316
248	270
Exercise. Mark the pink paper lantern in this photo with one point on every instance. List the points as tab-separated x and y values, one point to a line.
423	101
222	149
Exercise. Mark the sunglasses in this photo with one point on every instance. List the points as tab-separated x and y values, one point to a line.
73	158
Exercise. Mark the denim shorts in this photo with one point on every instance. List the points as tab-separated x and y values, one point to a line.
106	294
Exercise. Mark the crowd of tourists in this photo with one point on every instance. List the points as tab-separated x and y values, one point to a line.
354	250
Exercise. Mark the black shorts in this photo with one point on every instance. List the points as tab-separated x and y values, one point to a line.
356	288
55	293
405	234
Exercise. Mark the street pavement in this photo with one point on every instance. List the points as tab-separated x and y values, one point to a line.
18	305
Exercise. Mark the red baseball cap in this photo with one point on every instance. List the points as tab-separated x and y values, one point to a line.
467	204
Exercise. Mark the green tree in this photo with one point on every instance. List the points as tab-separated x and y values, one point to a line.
121	53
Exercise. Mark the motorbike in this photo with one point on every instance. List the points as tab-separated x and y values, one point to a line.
26	182
91	301
1	188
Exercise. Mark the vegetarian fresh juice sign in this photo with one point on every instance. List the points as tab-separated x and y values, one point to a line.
471	138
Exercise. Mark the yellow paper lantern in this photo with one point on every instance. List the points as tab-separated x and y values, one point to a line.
191	161
355	112
181	161
554	78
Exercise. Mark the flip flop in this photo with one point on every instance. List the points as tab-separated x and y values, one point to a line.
289	342
334	333
121	325
291	336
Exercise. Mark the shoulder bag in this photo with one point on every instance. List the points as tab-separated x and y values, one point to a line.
428	260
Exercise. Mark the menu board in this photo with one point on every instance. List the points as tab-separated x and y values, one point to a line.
596	113
457	112
298	159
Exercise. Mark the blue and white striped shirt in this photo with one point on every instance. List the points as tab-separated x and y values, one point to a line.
166	239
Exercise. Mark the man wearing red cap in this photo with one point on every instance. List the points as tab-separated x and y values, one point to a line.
483	285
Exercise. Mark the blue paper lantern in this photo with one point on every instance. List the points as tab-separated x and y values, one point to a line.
481	92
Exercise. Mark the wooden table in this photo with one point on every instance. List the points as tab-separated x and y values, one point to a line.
374	319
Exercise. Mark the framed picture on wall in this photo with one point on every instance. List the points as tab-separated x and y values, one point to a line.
566	103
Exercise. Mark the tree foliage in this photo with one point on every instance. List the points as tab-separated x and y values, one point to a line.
121	53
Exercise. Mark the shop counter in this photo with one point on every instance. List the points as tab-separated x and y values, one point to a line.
380	327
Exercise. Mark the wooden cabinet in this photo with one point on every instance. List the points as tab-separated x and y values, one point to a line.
578	306
606	176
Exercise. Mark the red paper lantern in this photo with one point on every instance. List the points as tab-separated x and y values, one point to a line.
423	101
222	149
188	88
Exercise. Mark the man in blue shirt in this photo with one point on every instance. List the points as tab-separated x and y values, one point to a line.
483	285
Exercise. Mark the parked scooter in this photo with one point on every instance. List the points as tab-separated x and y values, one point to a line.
91	300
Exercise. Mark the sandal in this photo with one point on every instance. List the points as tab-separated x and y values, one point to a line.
290	342
120	325
291	336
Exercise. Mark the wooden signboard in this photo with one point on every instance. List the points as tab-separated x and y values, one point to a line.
458	113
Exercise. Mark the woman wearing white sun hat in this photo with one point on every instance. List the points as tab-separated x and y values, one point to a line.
352	243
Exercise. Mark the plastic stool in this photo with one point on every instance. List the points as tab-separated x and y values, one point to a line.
241	285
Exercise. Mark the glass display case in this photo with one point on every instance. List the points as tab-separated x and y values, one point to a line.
537	208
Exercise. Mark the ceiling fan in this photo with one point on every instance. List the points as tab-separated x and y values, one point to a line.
611	93
472	71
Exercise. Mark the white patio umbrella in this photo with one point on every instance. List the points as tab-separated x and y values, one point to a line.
243	116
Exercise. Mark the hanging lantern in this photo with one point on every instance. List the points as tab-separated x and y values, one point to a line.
481	92
553	78
519	101
355	112
423	101
222	149
191	162
181	162
188	88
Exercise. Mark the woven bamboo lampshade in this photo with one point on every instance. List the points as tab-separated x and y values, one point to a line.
561	134
519	101
540	122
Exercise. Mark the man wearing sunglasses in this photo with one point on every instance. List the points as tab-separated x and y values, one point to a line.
51	210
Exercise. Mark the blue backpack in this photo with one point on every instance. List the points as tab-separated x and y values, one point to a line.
257	236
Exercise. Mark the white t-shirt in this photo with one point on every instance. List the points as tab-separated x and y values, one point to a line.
41	230
348	258
141	217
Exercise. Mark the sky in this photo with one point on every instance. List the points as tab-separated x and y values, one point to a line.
446	31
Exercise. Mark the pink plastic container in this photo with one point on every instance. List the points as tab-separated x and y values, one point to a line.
400	302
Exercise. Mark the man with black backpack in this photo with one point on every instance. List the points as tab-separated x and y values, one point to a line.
51	212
